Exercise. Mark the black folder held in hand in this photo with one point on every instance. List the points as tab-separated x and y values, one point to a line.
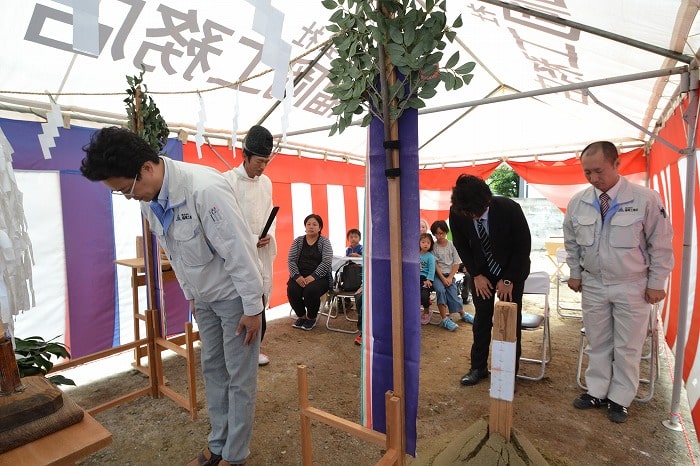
270	219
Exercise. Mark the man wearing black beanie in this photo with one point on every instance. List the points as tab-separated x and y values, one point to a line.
253	190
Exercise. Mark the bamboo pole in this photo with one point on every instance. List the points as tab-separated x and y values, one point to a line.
387	75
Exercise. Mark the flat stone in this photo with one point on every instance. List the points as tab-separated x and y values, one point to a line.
38	399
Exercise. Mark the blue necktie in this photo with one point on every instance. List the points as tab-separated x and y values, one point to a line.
164	215
494	268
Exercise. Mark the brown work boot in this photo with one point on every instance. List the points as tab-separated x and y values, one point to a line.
207	458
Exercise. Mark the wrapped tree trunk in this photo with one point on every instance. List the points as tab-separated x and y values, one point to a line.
9	372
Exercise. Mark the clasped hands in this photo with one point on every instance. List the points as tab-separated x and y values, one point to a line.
303	281
484	289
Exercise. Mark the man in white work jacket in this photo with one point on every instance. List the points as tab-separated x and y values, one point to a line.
618	243
192	211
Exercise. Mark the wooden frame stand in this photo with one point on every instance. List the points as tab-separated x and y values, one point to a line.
391	440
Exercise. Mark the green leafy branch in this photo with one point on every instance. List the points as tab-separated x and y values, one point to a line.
34	357
414	41
143	114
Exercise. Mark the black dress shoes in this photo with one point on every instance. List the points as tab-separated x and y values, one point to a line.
474	376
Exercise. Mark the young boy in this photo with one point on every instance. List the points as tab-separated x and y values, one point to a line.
446	265
355	249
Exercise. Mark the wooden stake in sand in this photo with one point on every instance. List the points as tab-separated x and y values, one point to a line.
503	369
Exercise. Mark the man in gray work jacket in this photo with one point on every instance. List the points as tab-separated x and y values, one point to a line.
194	214
619	250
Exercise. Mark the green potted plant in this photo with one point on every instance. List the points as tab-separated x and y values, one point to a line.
34	357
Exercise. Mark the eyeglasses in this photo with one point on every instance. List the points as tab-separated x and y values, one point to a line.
130	194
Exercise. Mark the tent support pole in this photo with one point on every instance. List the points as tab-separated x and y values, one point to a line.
691	119
297	80
558	89
466	112
627	120
595	31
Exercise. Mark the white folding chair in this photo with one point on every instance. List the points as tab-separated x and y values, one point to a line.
560	277
650	359
537	283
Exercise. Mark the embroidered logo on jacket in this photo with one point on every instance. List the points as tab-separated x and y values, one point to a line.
183	216
629	209
215	214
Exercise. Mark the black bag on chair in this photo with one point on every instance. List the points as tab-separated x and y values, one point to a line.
350	277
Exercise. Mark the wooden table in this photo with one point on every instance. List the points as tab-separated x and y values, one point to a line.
64	447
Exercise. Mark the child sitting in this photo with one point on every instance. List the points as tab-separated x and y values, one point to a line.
447	263
355	249
427	274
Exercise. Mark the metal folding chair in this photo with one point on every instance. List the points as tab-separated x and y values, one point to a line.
560	255
537	283
335	304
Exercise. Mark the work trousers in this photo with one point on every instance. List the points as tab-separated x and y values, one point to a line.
616	318
230	372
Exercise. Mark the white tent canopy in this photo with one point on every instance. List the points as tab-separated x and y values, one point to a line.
194	50
542	87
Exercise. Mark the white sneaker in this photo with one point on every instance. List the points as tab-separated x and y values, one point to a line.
263	360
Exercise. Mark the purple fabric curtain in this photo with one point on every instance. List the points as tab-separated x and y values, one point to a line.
378	274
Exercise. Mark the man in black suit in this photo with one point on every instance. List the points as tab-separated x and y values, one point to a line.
499	263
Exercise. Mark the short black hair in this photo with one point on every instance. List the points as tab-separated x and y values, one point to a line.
318	219
471	195
441	224
606	147
354	231
115	152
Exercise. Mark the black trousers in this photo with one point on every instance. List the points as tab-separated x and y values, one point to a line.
483	324
358	306
306	301
424	293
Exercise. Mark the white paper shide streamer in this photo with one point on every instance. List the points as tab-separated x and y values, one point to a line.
268	21
234	123
199	137
287	104
50	130
15	246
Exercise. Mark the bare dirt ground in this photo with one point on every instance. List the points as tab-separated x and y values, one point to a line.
156	431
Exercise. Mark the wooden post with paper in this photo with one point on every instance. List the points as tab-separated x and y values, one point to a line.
503	369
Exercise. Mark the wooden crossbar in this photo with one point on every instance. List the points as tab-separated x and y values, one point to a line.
391	440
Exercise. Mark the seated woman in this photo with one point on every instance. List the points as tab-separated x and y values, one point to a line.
310	261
